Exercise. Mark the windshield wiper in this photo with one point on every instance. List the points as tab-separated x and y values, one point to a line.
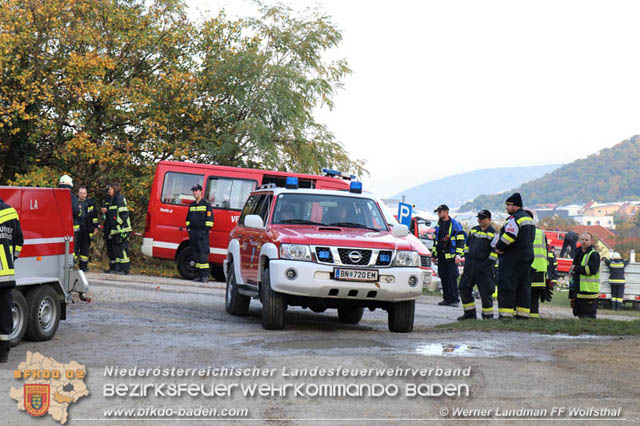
354	225
301	222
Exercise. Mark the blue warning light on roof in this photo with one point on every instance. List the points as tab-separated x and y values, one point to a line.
291	182
355	187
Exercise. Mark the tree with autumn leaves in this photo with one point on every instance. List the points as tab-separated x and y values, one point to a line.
104	89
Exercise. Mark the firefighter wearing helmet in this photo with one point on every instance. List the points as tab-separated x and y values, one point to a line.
65	181
10	246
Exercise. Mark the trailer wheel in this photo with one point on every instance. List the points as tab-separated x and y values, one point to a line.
400	316
186	264
44	313
19	312
235	303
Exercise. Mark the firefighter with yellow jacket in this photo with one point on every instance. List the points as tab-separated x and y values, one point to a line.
199	222
11	241
538	273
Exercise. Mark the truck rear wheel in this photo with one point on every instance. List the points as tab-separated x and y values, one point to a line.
274	304
19	311
234	302
350	315
401	316
186	264
44	313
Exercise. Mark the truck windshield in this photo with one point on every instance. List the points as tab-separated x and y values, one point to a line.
328	210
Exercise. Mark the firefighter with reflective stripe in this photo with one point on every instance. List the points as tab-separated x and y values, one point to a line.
448	247
66	182
10	246
552	274
119	228
616	279
584	288
88	225
538	272
514	246
106	230
479	260
199	222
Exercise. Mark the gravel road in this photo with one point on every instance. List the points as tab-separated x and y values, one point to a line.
145	322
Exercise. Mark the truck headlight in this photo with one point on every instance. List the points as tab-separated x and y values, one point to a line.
295	252
406	258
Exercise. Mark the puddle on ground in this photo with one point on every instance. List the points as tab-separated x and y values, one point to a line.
324	344
437	349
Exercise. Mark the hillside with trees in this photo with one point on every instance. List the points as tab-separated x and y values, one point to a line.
611	174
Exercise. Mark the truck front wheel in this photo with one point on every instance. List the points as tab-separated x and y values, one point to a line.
274	304
44	313
235	303
350	315
401	316
19	311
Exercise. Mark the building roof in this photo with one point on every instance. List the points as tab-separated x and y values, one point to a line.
603	234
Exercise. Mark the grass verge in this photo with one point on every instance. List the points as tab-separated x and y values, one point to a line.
574	327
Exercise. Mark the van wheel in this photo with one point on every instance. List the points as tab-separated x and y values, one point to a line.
350	315
274	304
401	316
19	312
234	302
44	313
186	264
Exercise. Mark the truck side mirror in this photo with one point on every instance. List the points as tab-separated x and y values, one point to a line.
400	231
253	221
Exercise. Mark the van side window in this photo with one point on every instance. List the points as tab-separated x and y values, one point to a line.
176	188
249	208
228	193
263	207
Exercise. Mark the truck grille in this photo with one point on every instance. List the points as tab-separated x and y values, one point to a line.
346	256
425	261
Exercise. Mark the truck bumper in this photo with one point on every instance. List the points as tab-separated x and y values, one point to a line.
314	280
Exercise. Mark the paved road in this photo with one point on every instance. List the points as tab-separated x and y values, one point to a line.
150	322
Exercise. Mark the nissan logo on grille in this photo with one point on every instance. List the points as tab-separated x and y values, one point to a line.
355	256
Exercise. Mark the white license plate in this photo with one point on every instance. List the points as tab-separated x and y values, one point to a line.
368	275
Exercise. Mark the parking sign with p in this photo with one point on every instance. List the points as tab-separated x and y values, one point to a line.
404	214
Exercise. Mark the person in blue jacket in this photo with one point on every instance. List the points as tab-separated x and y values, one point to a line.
448	247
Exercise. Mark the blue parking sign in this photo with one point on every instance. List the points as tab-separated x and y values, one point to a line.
404	214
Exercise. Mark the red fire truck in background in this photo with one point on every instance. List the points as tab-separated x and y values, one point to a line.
555	239
227	189
45	276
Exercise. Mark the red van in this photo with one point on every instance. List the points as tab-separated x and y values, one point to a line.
227	189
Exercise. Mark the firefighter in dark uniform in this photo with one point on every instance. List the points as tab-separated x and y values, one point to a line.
106	230
119	228
88	226
538	273
66	182
552	275
616	279
584	288
199	222
479	261
10	246
515	249
448	247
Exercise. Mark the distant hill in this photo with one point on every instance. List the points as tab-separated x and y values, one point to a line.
457	189
611	174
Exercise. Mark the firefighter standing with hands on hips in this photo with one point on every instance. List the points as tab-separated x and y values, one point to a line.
88	225
119	225
584	288
199	222
479	260
11	241
515	249
616	279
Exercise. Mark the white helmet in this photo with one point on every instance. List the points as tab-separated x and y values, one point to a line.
615	255
65	180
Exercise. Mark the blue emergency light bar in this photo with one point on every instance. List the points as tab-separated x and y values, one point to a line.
336	173
355	187
291	182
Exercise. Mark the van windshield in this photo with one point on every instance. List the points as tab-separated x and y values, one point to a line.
328	210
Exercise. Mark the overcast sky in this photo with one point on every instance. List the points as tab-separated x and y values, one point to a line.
444	87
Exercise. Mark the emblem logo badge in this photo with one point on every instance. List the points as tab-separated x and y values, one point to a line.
36	399
355	256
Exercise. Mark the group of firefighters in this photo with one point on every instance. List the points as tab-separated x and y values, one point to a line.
521	263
